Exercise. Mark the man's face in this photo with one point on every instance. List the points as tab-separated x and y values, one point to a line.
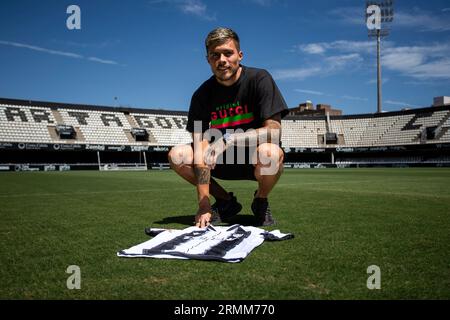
224	60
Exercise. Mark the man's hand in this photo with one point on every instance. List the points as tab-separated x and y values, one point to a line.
213	151
203	217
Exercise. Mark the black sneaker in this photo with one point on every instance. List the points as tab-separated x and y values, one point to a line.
261	210
226	209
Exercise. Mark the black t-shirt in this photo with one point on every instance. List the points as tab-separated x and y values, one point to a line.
246	104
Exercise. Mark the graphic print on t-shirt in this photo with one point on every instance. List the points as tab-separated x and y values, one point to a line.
231	115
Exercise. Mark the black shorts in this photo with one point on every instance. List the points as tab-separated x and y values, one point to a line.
234	172
237	165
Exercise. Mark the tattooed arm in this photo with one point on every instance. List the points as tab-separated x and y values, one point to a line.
203	175
270	132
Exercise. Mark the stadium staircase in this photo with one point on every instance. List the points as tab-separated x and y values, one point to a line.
443	126
79	136
151	137
327	125
53	134
378	140
57	116
59	120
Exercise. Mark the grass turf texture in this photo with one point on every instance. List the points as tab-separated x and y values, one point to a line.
344	220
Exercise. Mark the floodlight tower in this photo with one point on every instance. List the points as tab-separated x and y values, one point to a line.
378	13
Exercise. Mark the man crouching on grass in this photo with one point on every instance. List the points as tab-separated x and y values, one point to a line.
235	121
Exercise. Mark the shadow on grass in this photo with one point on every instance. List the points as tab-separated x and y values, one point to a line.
188	220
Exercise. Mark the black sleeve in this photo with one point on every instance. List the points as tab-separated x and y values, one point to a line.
269	98
197	112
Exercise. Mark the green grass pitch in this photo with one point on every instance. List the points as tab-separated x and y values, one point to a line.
344	221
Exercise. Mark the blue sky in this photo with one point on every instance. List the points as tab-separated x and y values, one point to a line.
150	53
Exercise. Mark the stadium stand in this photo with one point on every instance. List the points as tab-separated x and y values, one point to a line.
302	132
165	129
120	135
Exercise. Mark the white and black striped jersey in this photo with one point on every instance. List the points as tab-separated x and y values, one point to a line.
227	244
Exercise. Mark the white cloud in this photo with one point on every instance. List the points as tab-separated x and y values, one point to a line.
357	46
297	74
35	48
192	7
96	45
420	62
318	93
264	3
416	18
56	52
340	45
400	103
401	60
422	21
353	15
354	98
327	66
101	60
340	62
439	69
313	48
